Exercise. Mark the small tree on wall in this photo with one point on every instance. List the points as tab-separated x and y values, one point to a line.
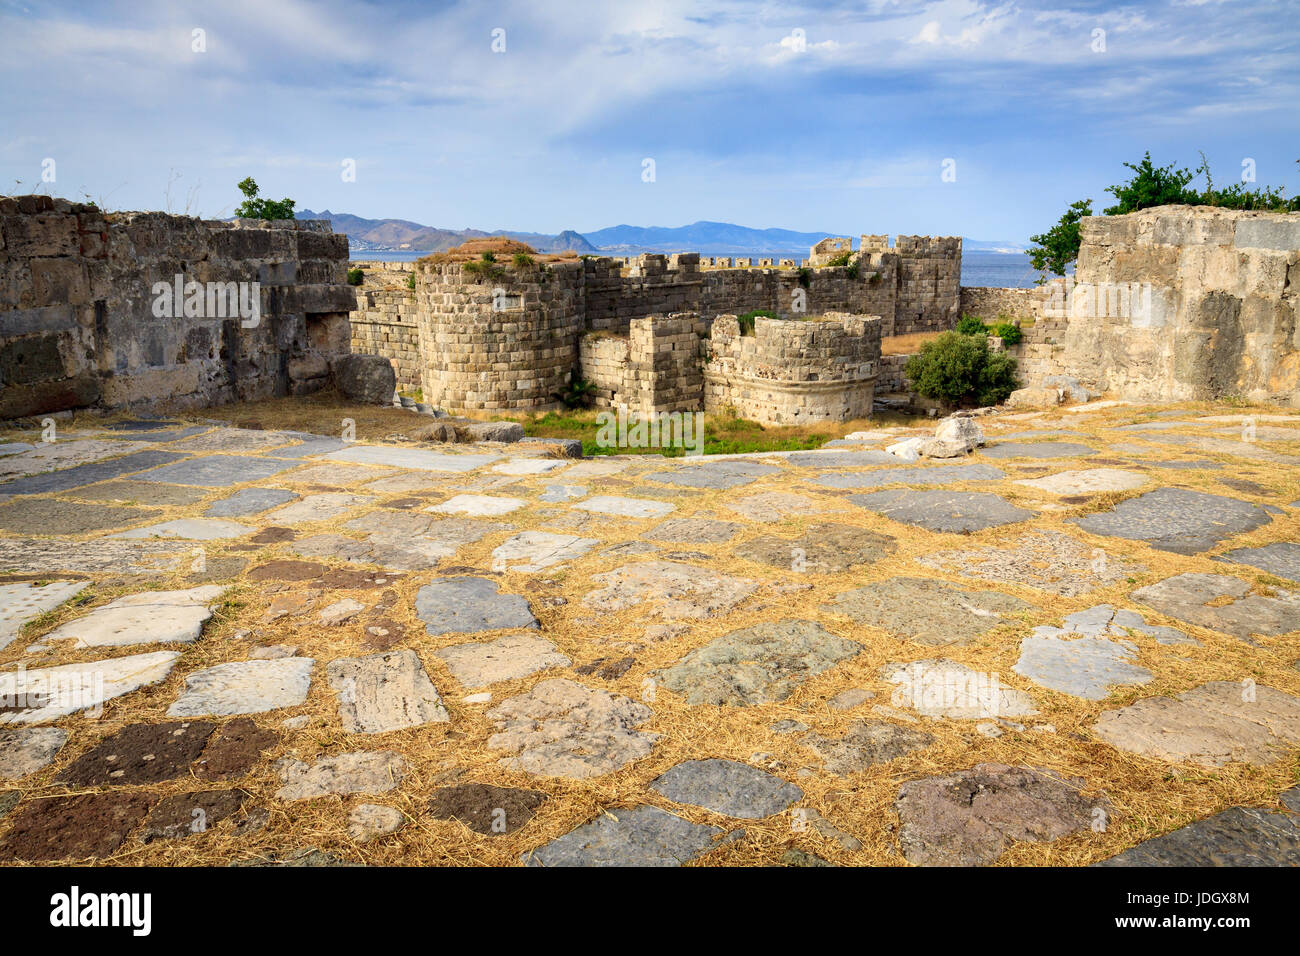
255	208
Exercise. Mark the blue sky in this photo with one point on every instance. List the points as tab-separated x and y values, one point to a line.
844	127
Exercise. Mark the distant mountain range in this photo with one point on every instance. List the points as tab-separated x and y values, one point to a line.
706	238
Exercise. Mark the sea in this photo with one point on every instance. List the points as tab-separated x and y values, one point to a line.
1002	269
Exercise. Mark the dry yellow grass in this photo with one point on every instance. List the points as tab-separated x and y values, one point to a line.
1149	796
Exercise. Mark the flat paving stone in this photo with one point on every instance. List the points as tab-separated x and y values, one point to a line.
370	821
359	771
50	557
727	787
1086	667
139	754
244	687
694	531
944	511
25	750
413	458
23	601
191	529
936	475
321	507
225	438
506	658
925	611
485	808
643	836
842	459
1239	836
1211	725
478	506
217	471
89	826
1222	603
79	475
770	506
557	493
970	818
398	541
1176	519
822	549
46	516
625	507
719	475
384	692
311	447
1282	558
153	617
184	815
466	605
866	744
235	750
756	665
338	476
45	694
249	501
1047	560
1088	481
944	688
531	551
673	590
1040	449
561	728
1103	620
522	467
150	493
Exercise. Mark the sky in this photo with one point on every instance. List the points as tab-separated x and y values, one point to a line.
942	117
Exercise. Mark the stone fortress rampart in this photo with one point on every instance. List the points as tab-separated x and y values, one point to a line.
651	332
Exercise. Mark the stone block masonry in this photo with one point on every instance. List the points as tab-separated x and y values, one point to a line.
384	322
80	323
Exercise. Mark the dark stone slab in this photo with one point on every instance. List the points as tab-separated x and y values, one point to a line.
1176	519
312	445
1239	836
249	501
826	548
485	808
936	475
1040	449
139	753
50	516
217	471
722	474
92	825
163	435
190	814
235	749
727	786
469	604
944	511
141	425
842	459
88	474
1281	558
644	836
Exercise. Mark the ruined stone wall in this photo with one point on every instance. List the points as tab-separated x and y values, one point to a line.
791	372
929	284
1210	306
384	322
994	304
78	322
502	339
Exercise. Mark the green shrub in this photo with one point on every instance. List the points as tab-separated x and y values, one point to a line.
840	260
254	208
747	320
1007	332
960	370
805	276
355	276
523	260
971	325
578	394
410	281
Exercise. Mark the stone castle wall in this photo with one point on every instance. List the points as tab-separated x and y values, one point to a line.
914	286
78	308
1179	303
384	321
994	304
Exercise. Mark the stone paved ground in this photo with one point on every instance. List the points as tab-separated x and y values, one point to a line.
249	645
